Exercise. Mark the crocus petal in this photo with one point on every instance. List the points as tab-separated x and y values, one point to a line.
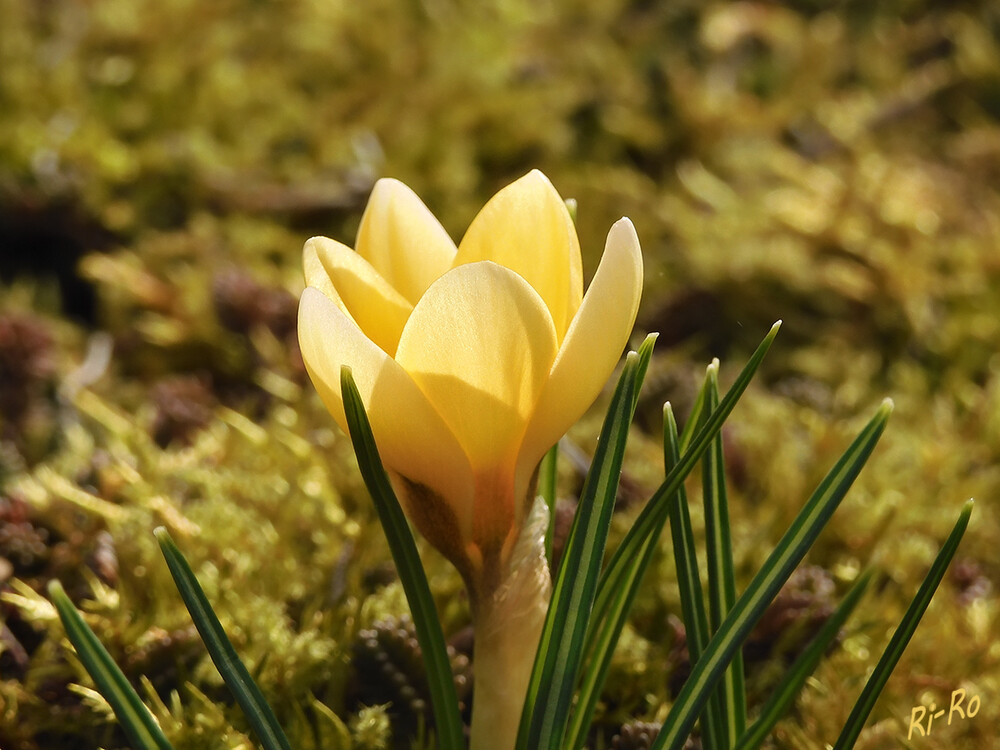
358	289
402	420
480	344
401	238
527	228
592	346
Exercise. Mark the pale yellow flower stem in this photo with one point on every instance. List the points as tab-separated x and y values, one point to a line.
508	624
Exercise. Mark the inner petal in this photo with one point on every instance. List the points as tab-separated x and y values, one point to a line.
401	238
527	228
592	347
378	309
480	344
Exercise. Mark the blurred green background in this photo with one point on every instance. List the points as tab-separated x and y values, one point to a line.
835	165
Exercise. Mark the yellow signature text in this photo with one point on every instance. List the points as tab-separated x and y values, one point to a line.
922	718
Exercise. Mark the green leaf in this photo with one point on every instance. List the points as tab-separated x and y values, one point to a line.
137	721
605	632
560	650
686	559
645	353
766	584
547	490
908	625
786	691
655	513
444	699
616	589
686	564
601	641
699	411
731	693
237	678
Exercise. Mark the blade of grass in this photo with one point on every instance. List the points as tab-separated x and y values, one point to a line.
699	411
547	490
655	513
685	554
246	692
628	563
560	650
908	625
444	699
136	720
645	352
682	535
766	584
603	639
631	559
731	692
696	627
781	699
604	633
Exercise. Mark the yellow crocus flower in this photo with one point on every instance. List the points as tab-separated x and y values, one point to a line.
472	361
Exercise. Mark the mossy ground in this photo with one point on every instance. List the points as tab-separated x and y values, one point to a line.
161	164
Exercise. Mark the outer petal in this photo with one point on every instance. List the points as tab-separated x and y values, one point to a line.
350	281
480	344
592	346
412	439
401	238
527	228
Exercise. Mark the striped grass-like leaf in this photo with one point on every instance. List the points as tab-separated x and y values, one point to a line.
547	490
560	650
699	412
444	699
601	640
628	564
645	355
766	584
136	720
655	513
731	692
781	699
686	562
246	692
605	632
907	626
